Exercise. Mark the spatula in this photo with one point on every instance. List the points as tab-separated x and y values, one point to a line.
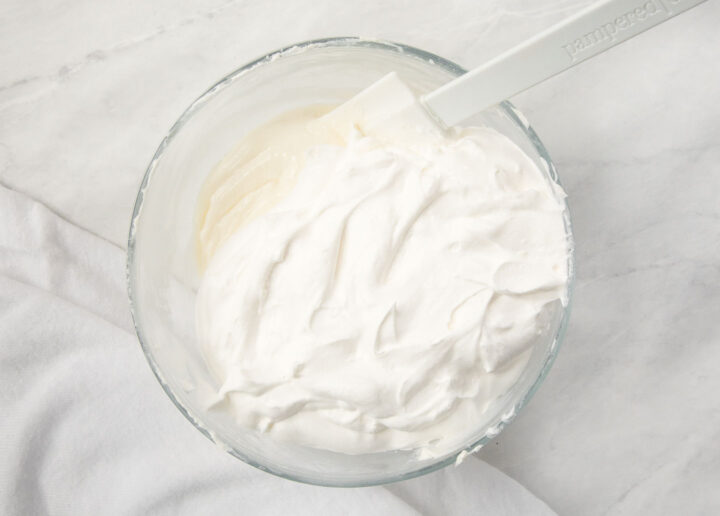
389	102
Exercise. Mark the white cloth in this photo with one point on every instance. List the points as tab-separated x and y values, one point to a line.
86	429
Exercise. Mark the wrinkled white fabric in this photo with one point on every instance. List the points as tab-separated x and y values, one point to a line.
86	429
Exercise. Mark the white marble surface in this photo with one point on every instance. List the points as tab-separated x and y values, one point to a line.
628	421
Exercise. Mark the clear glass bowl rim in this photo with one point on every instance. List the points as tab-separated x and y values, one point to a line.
382	45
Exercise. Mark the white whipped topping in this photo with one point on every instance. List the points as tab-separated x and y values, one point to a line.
374	295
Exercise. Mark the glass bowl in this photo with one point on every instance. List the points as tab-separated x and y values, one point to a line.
163	276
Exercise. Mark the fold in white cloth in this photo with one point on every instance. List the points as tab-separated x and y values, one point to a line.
86	429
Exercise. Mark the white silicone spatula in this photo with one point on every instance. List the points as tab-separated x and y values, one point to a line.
572	41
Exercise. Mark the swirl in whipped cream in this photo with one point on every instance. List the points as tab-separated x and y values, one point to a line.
363	294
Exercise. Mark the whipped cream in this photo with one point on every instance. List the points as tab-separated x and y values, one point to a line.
364	293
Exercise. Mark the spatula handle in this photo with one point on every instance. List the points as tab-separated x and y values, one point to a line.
572	41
